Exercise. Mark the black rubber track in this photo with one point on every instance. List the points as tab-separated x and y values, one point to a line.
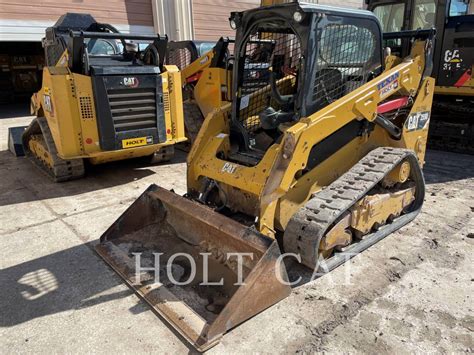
62	170
307	227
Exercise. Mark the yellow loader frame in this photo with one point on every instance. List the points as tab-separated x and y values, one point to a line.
66	100
272	188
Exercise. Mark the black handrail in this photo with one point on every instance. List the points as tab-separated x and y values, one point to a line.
85	34
416	34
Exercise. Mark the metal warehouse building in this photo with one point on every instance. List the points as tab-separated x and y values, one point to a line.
23	22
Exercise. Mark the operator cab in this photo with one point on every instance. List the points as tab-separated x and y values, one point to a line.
291	64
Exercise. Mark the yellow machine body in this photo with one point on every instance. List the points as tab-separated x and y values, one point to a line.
211	88
262	202
102	99
67	101
205	78
271	190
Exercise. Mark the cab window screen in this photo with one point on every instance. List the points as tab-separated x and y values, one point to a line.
425	14
54	50
181	57
345	61
267	54
390	16
346	44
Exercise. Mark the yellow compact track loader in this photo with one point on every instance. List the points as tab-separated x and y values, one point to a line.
319	154
103	98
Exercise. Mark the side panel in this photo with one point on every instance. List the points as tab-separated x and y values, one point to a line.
173	104
87	113
60	107
414	137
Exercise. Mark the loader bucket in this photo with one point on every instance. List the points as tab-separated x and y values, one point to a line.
168	234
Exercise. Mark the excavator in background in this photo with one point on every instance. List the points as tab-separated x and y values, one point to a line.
452	124
317	156
103	98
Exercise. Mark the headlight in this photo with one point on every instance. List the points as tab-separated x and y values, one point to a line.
298	16
233	25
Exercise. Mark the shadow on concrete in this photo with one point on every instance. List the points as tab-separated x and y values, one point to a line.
21	108
71	279
443	167
54	283
22	181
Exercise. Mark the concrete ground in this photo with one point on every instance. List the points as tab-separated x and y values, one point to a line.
412	292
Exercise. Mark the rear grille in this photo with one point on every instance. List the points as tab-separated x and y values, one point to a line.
132	109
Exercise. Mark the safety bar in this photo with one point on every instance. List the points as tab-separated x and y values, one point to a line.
84	34
417	34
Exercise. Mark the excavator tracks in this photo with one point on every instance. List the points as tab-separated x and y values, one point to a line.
310	224
451	127
58	169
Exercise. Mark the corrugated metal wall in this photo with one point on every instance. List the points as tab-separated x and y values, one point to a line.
210	17
24	20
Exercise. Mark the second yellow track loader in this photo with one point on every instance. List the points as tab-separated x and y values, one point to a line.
105	96
317	157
